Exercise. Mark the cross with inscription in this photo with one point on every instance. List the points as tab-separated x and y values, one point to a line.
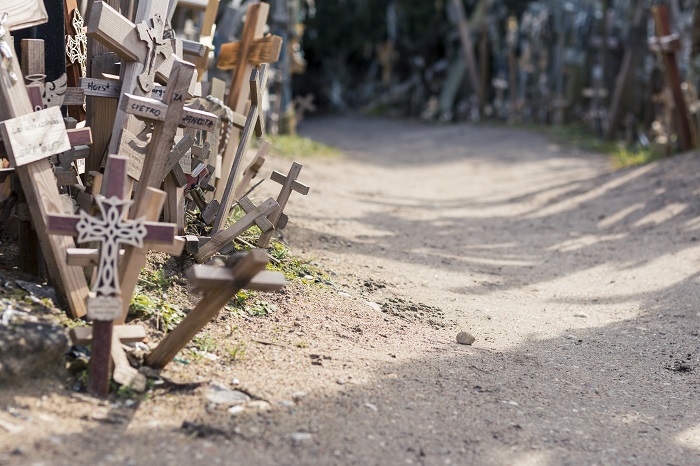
104	304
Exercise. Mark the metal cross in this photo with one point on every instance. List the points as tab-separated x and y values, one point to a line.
76	46
111	231
153	36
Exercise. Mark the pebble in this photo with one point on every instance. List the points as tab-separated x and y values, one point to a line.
309	277
236	409
465	338
374	306
260	405
340	381
300	437
371	406
581	315
344	294
220	394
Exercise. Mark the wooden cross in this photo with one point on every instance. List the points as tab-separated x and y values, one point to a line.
248	47
76	51
254	122
167	115
252	170
254	216
668	45
289	183
145	55
303	105
219	285
111	230
32	165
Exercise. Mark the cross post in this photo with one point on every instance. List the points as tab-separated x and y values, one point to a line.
252	170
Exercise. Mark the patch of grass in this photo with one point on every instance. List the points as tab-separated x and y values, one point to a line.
292	267
622	155
167	315
204	343
237	352
155	280
260	308
299	147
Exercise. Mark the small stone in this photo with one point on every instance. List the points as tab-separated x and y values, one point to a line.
308	277
465	338
301	437
236	409
260	405
344	294
340	381
296	396
219	394
374	306
371	406
581	315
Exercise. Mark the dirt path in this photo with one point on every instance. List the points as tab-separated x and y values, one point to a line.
580	284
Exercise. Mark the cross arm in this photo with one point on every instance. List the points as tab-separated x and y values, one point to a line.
151	109
264	50
280	178
208	276
108	26
157	233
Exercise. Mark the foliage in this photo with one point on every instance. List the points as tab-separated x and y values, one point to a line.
237	352
204	343
167	315
290	147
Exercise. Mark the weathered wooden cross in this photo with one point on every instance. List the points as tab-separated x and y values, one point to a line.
252	46
254	216
278	217
219	285
252	170
255	122
104	304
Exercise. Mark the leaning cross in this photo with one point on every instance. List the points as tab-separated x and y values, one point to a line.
34	170
220	285
248	47
252	170
254	122
278	217
105	301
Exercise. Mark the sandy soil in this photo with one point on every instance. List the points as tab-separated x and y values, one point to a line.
580	284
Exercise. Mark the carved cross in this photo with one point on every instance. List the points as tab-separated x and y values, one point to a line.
105	302
157	45
254	122
76	45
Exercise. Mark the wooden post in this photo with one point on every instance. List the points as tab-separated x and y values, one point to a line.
669	44
289	183
256	18
468	50
76	51
105	303
35	174
254	122
220	285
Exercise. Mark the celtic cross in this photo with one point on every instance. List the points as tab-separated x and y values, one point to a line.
76	46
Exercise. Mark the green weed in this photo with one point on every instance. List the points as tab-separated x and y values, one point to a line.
237	352
204	343
167	315
290	147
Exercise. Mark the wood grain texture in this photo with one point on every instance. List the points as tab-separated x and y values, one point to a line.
42	194
24	13
224	237
214	300
126	333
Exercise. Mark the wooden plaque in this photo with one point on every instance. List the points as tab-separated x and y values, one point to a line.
106	308
35	136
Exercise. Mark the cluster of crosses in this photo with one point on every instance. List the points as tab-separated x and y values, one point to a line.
128	135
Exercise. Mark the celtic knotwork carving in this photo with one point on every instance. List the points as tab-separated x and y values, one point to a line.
111	231
76	46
